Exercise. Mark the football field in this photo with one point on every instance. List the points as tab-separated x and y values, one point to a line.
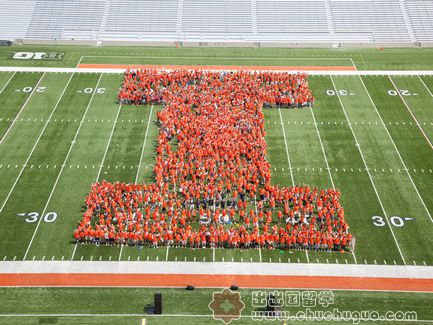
369	136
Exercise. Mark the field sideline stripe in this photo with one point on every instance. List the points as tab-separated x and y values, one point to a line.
36	143
312	72
63	166
7	83
368	171
259	317
410	111
22	108
395	147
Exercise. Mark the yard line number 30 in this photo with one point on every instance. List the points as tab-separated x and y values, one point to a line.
31	217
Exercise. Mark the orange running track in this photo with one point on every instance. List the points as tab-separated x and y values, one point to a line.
217	281
216	67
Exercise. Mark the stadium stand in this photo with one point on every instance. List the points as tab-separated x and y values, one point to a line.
55	19
420	14
14	23
292	21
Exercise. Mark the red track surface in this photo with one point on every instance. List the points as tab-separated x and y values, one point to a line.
217	67
244	281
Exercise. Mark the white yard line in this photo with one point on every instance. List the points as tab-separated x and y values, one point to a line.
353	63
368	172
22	108
62	167
166	253
7	83
102	162
323	149
326	162
410	112
144	144
287	149
35	145
428	89
139	167
395	147
108	143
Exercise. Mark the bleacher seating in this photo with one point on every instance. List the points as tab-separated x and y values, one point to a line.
383	19
52	17
289	16
141	17
420	13
15	17
300	21
222	16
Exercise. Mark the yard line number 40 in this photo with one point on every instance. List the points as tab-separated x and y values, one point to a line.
31	217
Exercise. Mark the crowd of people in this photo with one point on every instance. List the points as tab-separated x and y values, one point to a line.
212	183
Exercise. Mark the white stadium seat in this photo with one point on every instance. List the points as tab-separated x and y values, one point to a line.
300	21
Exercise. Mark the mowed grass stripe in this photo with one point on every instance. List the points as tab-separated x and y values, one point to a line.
357	194
34	186
13	97
14	151
419	100
55	239
123	153
409	141
395	190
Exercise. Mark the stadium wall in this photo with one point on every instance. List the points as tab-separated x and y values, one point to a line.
223	44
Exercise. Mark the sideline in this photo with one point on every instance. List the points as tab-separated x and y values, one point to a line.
316	70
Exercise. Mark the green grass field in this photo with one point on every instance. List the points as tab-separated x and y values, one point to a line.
370	137
127	306
70	132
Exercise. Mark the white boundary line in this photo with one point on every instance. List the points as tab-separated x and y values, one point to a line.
62	167
7	83
218	57
102	162
410	112
22	108
312	72
210	316
36	143
368	172
395	147
222	268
